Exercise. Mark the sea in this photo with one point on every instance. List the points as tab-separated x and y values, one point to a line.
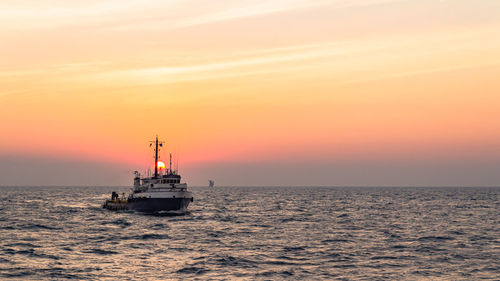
254	233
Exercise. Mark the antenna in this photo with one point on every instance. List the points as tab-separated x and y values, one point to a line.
170	163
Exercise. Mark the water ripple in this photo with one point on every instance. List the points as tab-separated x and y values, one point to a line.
268	233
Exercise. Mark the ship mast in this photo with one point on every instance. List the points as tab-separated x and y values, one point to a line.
156	158
157	144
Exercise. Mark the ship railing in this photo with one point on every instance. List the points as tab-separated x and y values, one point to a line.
170	186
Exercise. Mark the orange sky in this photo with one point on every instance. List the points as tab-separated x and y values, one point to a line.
248	82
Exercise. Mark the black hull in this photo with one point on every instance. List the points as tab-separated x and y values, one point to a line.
155	205
151	205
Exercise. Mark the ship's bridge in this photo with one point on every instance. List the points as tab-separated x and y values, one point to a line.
171	178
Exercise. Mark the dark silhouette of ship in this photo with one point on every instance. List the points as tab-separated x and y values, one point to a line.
162	192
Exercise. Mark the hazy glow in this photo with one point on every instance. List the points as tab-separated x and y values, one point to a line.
160	165
234	83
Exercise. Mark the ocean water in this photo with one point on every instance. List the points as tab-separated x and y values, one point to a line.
263	233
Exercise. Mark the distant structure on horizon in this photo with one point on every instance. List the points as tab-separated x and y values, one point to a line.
211	183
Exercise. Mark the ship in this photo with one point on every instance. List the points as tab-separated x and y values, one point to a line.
162	192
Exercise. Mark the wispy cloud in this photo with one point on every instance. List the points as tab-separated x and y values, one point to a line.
253	9
341	57
243	9
429	70
153	14
36	16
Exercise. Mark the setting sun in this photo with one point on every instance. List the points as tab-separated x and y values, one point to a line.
160	165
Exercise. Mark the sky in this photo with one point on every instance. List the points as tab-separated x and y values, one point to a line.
284	92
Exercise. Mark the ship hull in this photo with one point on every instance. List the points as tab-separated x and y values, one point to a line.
150	205
156	205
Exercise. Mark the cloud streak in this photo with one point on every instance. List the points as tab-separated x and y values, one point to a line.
341	57
247	10
154	14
